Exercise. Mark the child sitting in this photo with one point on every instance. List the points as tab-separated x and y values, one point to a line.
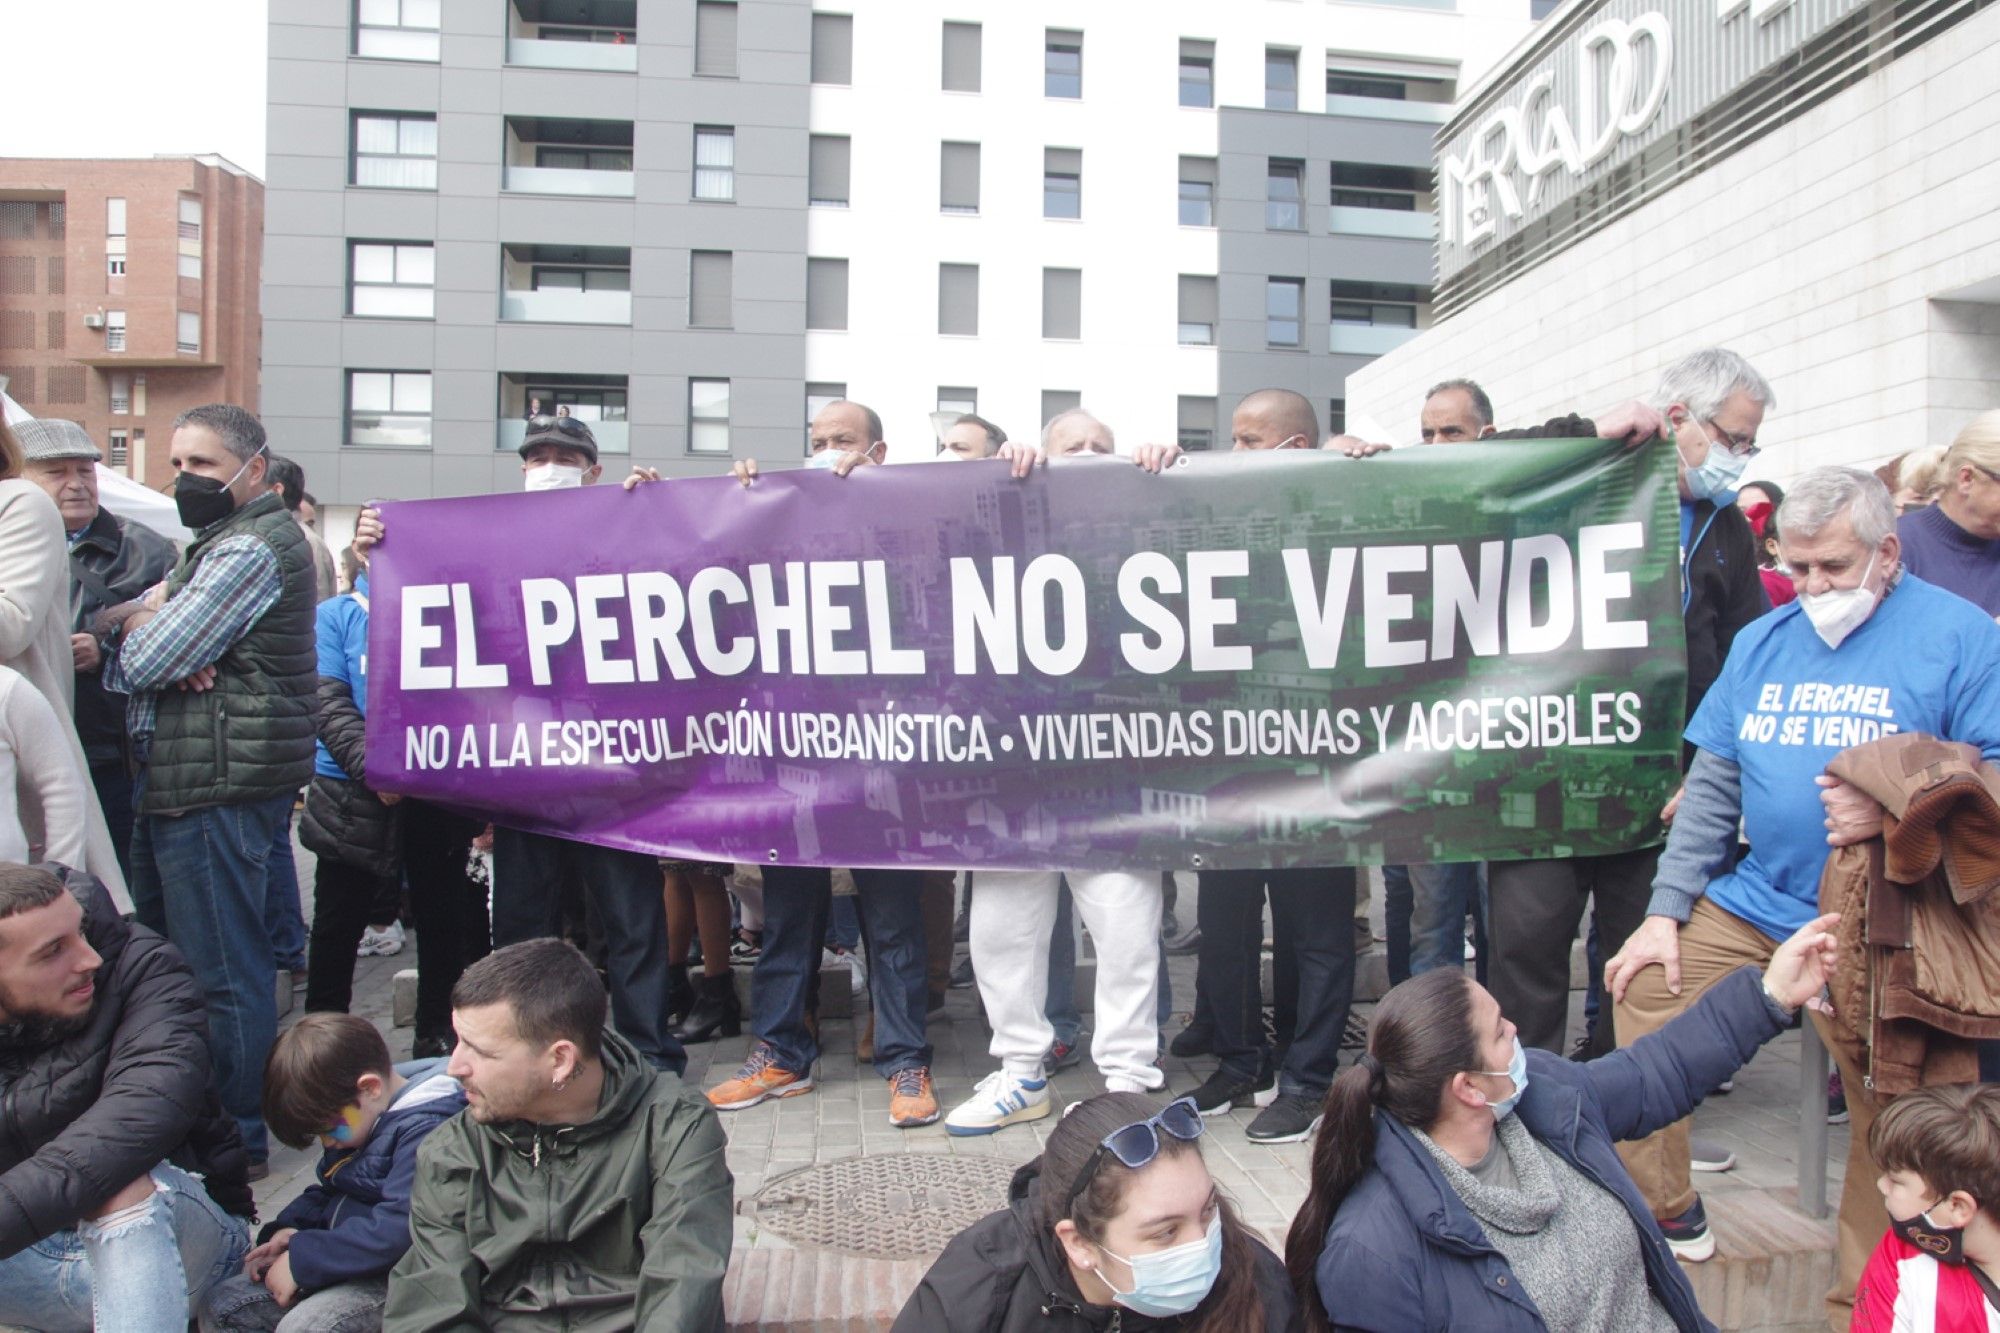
324	1263
1938	1269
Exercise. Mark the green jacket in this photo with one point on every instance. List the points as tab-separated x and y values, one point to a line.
622	1222
251	737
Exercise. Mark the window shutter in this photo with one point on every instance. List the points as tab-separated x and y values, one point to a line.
1062	303
959	178
826	293
827	169
958	299
715	38
1197	299
1055	402
961	57
833	48
710	280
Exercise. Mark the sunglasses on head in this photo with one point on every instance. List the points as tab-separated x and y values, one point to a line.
1137	1144
567	425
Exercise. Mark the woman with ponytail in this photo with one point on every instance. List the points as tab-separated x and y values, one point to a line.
1117	1226
1460	1182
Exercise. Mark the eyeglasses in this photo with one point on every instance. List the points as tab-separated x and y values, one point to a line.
1736	444
1137	1144
567	425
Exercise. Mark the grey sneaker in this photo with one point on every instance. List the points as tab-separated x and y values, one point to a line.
1708	1155
1290	1119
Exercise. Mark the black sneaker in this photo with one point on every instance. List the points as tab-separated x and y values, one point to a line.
1224	1091
961	976
1185	944
1688	1235
1193	1040
1170	925
1061	1055
1290	1119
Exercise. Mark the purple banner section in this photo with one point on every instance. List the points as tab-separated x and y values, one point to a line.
1452	653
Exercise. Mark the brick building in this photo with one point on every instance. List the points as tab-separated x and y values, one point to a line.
128	292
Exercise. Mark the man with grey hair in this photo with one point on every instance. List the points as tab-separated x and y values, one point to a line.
1456	411
1817	676
1076	432
221	667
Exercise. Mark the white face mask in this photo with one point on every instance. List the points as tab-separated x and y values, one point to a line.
1838	612
552	477
1719	472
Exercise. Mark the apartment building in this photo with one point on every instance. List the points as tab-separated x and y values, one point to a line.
692	221
128	293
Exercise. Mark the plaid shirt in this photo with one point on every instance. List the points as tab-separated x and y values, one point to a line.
237	583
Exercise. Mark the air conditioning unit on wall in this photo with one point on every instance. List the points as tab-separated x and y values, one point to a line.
93	321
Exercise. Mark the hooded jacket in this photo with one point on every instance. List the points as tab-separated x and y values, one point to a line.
344	820
85	1117
621	1222
1006	1274
354	1219
1405	1254
1920	906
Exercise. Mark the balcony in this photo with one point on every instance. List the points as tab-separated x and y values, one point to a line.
565	284
569	157
1386	108
574	34
566	307
613	437
1367	339
607	57
1400	223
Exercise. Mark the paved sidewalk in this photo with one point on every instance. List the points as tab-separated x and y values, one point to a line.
1777	1262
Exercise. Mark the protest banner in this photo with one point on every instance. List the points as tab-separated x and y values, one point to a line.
1439	654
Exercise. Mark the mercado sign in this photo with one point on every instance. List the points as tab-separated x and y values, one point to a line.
1591	95
1452	653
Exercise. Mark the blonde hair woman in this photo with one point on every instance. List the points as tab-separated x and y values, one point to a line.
1955	543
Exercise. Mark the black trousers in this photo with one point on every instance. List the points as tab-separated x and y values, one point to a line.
343	900
447	908
1534	909
1314	910
628	893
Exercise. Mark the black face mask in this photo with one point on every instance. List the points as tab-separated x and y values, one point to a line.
203	501
1944	1244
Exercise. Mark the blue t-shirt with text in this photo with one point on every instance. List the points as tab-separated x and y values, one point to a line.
1786	704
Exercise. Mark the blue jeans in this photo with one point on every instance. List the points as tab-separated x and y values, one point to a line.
843	924
202	879
242	1306
284	917
797	903
1441	896
1396	912
145	1268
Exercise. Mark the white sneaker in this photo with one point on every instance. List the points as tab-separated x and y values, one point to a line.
857	971
999	1101
381	941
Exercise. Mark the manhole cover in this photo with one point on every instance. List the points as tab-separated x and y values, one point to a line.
900	1206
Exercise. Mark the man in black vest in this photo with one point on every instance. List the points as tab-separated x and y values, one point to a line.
110	561
220	663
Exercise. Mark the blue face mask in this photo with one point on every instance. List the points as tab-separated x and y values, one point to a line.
1171	1282
1517	1071
1719	472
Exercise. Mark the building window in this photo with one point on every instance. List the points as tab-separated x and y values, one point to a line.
17	220
396	29
1196	420
708	416
714	163
114	217
1197	73
833	49
826	294
958	178
711	280
1386	304
114	330
389	409
1281	79
392	280
1197	302
17	330
1197	192
1369	185
187	331
114	266
958	300
1062	303
818	396
121	447
396	152
1284	194
189	266
1062	63
714	39
828	163
57	331
1062	182
121	393
58	219
1284	302
58	275
957	398
1055	402
961	57
1340	84
1336	416
189	227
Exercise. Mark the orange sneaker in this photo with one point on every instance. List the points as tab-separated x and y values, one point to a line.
912	1100
761	1079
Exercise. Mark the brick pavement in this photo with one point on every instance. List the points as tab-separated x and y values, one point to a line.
1777	1266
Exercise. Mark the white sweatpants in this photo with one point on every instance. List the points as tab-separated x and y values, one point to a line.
1013	912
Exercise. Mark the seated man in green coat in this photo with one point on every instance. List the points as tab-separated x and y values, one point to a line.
581	1188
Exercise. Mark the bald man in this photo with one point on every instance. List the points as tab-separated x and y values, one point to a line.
1273	419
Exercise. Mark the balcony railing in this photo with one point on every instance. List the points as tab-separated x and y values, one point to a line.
569	180
1382	222
1387	108
563	305
613	437
534	53
1367	339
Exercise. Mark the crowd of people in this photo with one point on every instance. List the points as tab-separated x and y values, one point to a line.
540	1162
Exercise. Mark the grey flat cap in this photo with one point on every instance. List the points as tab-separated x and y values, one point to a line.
52	438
